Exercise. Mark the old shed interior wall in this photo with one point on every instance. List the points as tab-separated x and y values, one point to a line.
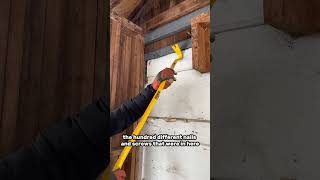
266	97
187	103
52	62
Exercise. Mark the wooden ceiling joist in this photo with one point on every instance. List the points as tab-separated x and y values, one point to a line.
174	13
124	8
173	27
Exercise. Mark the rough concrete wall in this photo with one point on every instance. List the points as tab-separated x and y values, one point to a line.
188	101
265	103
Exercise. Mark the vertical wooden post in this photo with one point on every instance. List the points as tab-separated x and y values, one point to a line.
200	29
12	76
126	79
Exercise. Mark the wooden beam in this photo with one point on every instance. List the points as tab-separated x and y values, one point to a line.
183	35
175	12
125	7
173	27
141	10
296	17
126	70
173	3
200	28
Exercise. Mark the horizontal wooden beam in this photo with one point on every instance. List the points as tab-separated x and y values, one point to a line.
124	8
173	27
174	13
183	35
296	17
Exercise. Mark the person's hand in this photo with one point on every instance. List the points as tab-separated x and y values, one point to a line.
119	174
165	74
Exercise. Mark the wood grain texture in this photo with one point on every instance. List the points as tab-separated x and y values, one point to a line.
151	8
174	13
124	8
102	54
183	35
296	17
53	65
126	75
200	26
48	65
29	98
12	76
4	30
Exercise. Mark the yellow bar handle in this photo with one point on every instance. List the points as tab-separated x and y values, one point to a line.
139	127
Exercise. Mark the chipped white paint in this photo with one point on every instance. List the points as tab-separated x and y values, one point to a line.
161	126
176	163
189	96
188	99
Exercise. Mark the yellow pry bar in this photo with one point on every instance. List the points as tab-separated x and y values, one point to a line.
143	119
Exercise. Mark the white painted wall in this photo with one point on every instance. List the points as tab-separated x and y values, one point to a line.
188	100
266	105
266	98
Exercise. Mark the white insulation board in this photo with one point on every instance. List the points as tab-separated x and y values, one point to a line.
266	105
188	100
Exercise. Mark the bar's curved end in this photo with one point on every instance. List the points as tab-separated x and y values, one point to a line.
176	48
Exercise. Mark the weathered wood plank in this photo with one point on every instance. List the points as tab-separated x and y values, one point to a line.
124	8
12	75
126	55
173	27
175	12
102	79
29	99
151	8
88	48
201	43
4	29
114	59
296	17
53	66
47	64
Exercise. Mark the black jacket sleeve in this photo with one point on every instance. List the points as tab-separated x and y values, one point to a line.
130	111
77	147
